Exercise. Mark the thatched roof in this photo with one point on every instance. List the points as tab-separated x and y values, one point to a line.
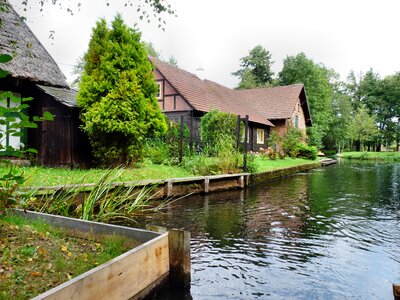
31	60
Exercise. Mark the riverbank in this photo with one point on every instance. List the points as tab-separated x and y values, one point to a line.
175	187
381	156
283	172
37	176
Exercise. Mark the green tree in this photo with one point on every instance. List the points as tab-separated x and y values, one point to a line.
362	127
216	126
117	95
150	49
353	90
316	79
172	61
342	111
255	69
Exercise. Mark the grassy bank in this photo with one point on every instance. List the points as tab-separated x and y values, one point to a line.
35	257
40	176
383	156
265	164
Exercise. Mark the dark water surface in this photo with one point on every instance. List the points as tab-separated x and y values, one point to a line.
332	233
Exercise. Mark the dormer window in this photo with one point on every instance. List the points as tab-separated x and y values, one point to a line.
159	94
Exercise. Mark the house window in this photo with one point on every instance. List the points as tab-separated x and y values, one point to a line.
9	139
248	136
260	136
296	121
159	94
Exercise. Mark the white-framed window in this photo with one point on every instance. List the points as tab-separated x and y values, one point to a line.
9	139
159	94
260	136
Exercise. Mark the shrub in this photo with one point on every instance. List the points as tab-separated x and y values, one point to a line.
309	152
292	138
201	165
275	140
252	164
216	125
157	151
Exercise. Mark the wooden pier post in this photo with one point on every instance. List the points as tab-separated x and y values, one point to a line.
179	255
179	258
168	188
396	291
206	185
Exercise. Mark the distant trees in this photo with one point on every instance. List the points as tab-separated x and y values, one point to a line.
362	127
151	50
362	111
117	94
255	69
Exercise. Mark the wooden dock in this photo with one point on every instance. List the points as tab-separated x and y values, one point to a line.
328	162
165	188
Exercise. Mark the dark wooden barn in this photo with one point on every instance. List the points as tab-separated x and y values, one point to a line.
34	73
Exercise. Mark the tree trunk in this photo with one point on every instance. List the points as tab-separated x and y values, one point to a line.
358	145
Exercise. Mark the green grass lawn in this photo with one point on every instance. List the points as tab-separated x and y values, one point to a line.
388	156
40	176
266	164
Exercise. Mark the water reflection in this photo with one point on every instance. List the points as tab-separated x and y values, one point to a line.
329	234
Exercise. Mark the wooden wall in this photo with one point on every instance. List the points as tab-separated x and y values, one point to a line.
60	143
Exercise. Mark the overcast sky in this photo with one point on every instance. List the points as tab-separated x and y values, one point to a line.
214	34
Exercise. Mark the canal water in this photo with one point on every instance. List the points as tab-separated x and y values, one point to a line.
331	233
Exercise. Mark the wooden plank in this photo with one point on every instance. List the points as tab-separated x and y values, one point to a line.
95	228
206	185
121	278
179	257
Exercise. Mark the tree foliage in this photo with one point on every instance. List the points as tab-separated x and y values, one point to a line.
117	94
216	126
362	127
255	69
316	79
146	9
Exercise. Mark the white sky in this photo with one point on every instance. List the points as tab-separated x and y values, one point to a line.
214	34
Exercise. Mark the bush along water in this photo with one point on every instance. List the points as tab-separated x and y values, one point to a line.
291	144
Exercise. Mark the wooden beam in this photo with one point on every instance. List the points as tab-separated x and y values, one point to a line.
179	258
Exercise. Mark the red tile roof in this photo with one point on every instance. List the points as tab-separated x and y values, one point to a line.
274	102
261	105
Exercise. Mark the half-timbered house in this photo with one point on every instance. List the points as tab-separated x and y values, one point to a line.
182	93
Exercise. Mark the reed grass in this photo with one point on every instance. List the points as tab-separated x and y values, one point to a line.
104	202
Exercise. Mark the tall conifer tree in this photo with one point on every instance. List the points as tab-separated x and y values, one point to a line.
117	94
